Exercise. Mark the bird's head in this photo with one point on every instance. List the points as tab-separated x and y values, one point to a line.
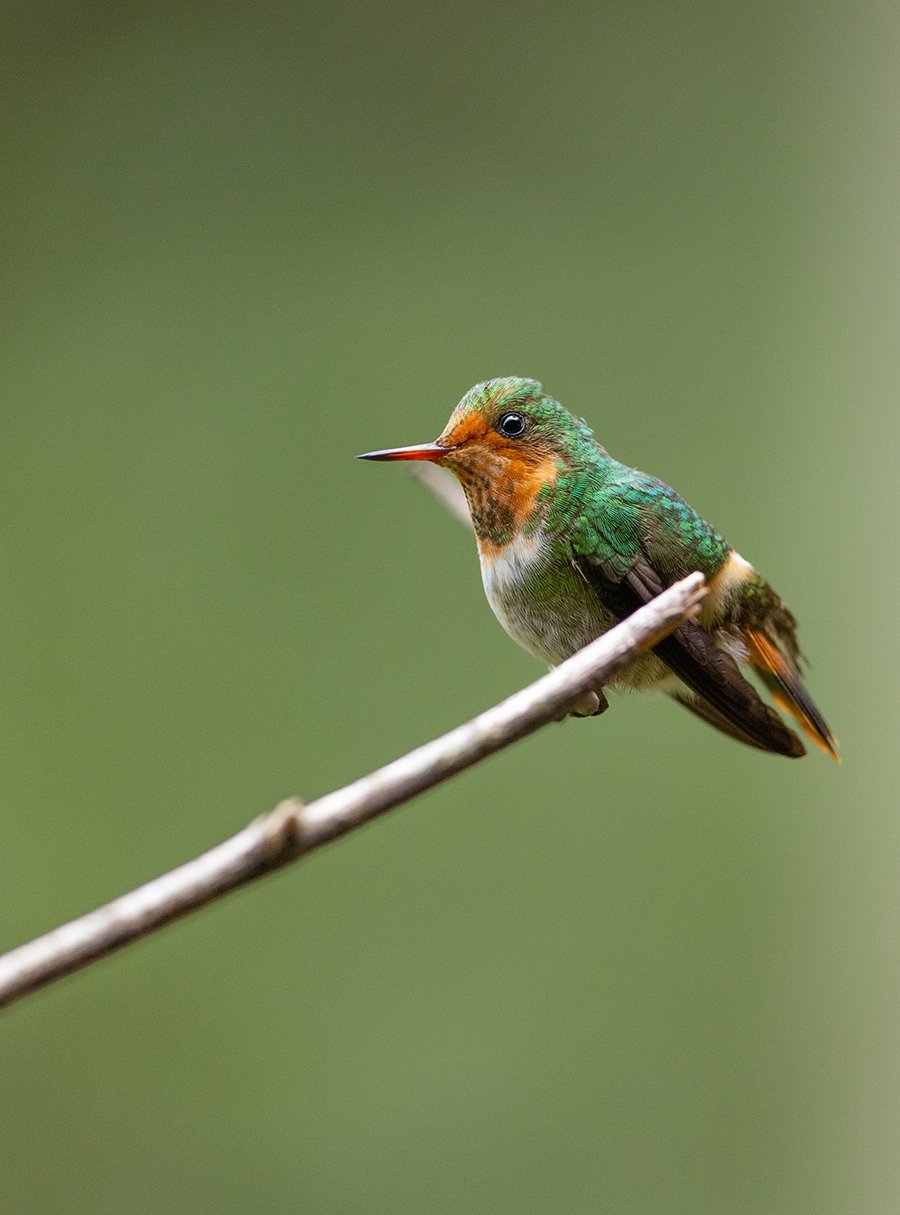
504	435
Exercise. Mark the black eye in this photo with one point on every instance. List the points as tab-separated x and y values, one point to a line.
512	425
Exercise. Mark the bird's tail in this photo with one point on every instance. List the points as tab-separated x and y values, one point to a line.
781	677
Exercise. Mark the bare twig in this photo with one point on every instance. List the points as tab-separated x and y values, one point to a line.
292	829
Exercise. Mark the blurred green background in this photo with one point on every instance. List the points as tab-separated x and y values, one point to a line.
628	966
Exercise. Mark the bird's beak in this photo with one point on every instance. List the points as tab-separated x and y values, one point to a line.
424	451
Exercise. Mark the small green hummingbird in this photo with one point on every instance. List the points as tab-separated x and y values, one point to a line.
571	541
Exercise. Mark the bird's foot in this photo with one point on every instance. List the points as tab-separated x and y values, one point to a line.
588	704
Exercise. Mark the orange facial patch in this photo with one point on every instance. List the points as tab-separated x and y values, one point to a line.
501	477
466	426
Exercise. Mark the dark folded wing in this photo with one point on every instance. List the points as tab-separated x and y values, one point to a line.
692	654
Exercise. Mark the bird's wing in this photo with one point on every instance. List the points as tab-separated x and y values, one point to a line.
618	569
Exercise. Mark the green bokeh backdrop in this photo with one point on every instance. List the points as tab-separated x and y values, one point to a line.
626	967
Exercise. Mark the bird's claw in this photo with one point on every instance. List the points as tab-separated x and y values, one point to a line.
587	704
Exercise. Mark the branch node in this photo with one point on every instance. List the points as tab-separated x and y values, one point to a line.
281	833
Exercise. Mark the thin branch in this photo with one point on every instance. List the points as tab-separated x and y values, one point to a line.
293	829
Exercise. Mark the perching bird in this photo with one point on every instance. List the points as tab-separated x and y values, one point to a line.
571	541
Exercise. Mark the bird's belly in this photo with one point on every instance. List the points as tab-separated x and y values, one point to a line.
549	610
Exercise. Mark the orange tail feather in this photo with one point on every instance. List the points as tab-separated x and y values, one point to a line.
788	691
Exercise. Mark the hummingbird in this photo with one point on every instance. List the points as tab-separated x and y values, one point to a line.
571	541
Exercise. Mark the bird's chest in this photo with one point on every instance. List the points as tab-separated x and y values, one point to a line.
540	599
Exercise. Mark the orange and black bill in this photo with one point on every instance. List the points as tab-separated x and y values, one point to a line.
424	451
